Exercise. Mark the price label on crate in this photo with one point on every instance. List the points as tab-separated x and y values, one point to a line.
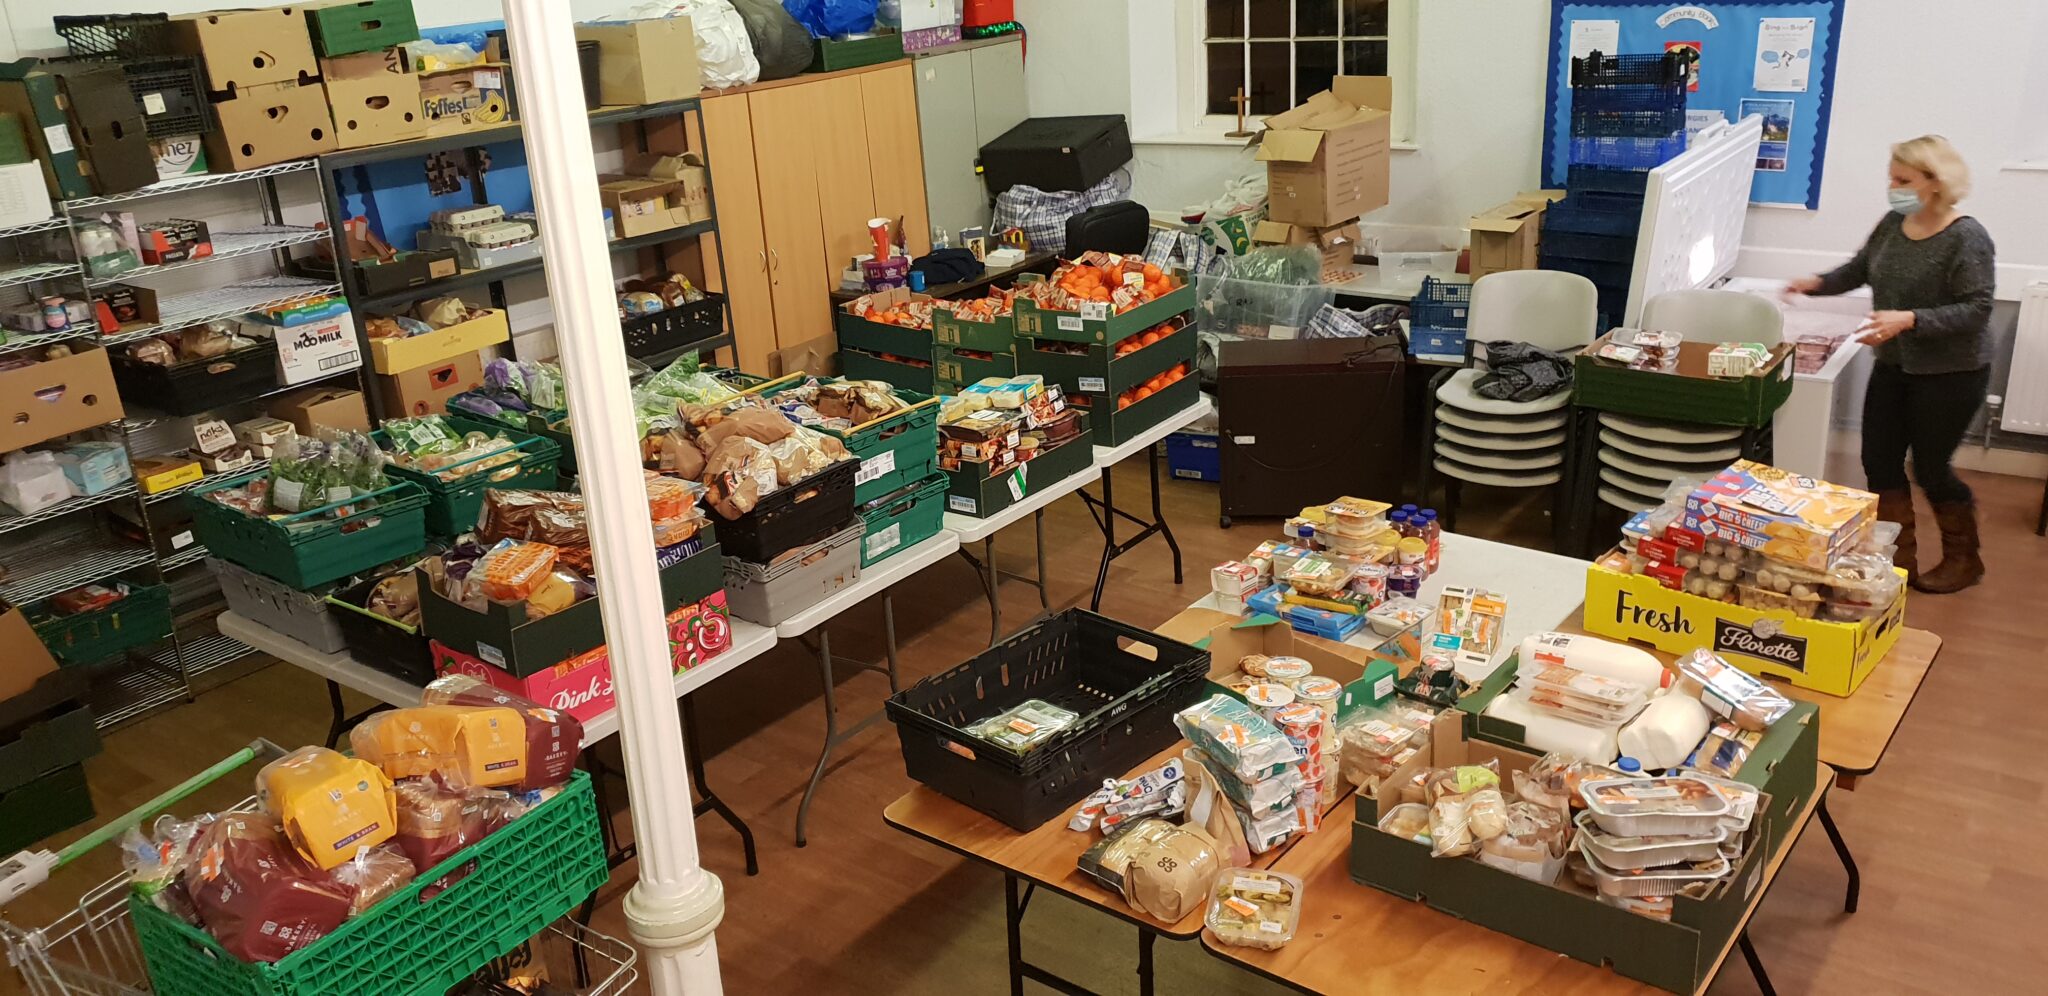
962	503
1094	385
1071	323
885	540
1016	482
874	467
1095	311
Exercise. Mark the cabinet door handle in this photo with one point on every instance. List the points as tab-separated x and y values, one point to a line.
764	260
777	257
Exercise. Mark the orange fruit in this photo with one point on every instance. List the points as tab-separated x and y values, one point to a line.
1145	392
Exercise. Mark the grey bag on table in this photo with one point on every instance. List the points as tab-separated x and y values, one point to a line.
783	46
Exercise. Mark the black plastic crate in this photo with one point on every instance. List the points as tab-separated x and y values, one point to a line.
115	36
196	386
377	642
1596	122
1602	70
1584	214
1609	277
1597	248
1443	304
675	328
172	94
1596	180
1125	682
795	516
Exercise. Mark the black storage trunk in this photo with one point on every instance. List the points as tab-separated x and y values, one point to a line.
795	516
1266	389
1057	153
674	328
1126	683
196	386
379	642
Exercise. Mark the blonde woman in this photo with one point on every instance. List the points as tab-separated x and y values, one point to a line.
1930	269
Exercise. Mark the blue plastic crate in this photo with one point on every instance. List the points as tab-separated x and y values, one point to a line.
1443	304
1424	340
1584	214
1582	179
1194	456
1607	276
1626	153
1596	248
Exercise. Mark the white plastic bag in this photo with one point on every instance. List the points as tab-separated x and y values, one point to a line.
724	51
33	481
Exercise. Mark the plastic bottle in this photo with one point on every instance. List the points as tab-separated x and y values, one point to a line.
1434	533
1399	520
1410	510
1629	766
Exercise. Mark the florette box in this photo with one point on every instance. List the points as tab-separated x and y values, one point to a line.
981	490
1115	425
1096	324
1679	955
1792	519
390	356
1688	395
1831	657
503	637
1784	765
1099	370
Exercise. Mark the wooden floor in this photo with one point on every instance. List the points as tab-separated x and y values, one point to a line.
1948	831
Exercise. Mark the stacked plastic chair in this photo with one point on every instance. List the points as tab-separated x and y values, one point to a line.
1639	458
1628	118
1512	444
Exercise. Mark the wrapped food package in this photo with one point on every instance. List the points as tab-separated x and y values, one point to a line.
396	598
552	517
436	820
254	893
554	739
462	745
372	875
329	806
1730	692
513	569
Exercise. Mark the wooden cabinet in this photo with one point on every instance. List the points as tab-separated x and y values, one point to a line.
799	166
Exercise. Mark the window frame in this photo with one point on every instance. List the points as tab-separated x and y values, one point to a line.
1401	38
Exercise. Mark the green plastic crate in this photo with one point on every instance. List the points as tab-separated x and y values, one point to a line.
52	803
949	329
311	548
453	505
524	877
143	617
855	332
895	451
363	26
959	368
1114	427
57	740
551	425
899	521
1108	330
855	364
970	493
1735	401
833	55
1099	370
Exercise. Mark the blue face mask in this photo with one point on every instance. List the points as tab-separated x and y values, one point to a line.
1905	201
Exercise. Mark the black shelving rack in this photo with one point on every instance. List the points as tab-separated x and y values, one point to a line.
471	143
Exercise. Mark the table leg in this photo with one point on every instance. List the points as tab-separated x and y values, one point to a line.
1108	523
340	723
2041	524
1106	513
803	811
1756	965
710	802
1013	922
1159	517
1038	531
1145	939
1827	822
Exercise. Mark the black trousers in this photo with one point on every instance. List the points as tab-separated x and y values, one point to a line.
1925	414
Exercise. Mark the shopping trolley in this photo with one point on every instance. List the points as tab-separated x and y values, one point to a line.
92	950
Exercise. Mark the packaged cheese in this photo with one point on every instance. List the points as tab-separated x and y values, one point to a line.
330	806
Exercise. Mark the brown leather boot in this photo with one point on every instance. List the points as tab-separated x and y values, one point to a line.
1897	506
1960	565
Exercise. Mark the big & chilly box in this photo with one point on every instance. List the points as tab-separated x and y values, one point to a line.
1327	158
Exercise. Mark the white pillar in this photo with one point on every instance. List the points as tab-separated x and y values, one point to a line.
675	905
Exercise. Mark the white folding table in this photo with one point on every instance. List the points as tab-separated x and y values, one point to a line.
1105	511
973	530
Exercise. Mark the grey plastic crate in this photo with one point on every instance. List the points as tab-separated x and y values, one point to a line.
301	615
771	593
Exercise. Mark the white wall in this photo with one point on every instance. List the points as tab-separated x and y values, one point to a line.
1479	99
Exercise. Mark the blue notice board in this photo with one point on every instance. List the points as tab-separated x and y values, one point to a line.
1770	57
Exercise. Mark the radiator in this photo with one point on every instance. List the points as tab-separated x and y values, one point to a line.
2026	392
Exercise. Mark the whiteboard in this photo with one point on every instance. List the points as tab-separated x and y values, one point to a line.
1693	213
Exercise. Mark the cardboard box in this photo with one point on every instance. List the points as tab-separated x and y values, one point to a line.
467	99
57	397
390	356
1831	657
643	205
317	406
1504	237
174	240
270	123
24	197
1337	243
23	658
1792	519
30	93
374	98
245	48
1327	159
179	155
645	62
107	127
426	390
346	26
157	474
687	169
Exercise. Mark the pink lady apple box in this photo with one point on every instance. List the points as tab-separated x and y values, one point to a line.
582	686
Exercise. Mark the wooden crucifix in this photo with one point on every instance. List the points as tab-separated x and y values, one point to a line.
1242	102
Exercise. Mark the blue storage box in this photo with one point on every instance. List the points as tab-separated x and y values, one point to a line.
1193	456
1427	341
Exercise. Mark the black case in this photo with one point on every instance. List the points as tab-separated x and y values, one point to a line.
1121	227
1350	389
1057	153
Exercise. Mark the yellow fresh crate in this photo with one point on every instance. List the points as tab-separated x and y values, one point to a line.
390	356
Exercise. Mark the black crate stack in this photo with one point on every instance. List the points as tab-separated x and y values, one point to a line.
1628	118
170	90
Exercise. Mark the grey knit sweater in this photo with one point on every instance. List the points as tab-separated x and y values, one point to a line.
1946	280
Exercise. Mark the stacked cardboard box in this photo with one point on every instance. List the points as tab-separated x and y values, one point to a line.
265	85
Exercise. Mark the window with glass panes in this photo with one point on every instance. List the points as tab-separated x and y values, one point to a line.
1282	51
